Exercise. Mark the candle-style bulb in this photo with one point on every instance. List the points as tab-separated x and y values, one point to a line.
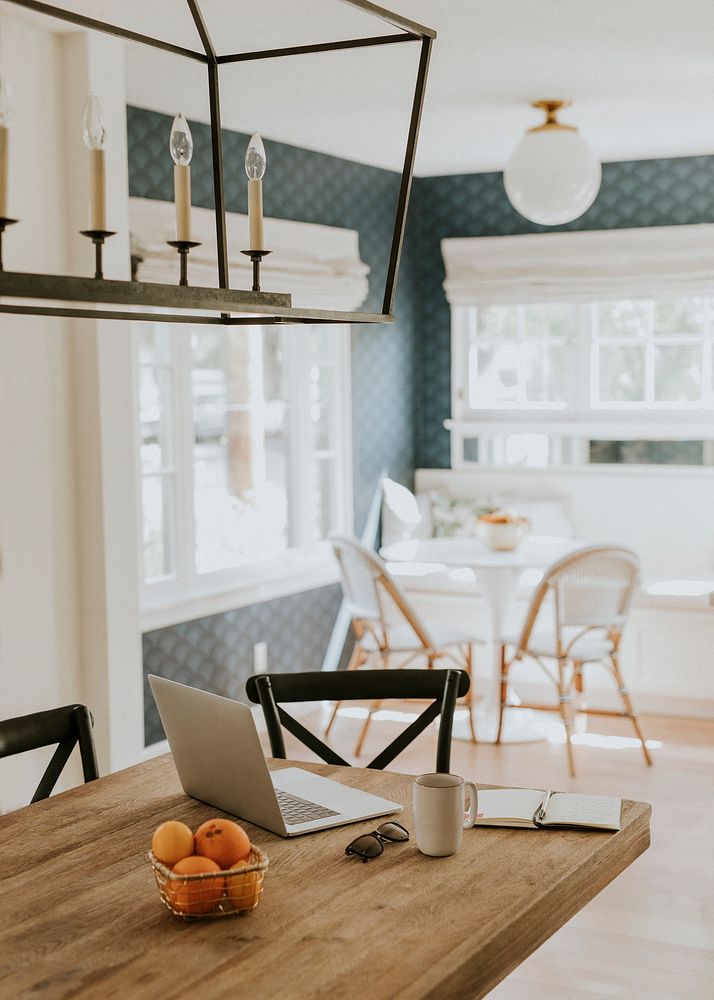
255	158
93	131
5	103
180	142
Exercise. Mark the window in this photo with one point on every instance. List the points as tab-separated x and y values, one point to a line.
625	380
244	450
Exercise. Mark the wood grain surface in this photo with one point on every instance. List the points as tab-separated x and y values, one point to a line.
81	916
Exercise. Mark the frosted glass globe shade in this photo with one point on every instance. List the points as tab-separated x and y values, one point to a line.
553	176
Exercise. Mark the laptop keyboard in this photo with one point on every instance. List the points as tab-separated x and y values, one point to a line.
297	810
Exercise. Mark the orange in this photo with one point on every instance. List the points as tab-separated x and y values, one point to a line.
243	888
171	842
196	895
223	841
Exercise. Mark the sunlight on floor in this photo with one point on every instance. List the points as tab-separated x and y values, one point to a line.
552	729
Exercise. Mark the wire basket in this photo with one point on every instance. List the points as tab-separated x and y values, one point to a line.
212	894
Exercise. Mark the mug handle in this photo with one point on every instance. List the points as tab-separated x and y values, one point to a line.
473	804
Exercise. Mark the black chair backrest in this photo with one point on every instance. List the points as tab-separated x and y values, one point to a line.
67	726
444	686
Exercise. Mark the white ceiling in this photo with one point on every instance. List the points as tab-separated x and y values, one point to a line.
640	74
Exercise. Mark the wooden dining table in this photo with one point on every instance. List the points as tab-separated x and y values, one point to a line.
81	916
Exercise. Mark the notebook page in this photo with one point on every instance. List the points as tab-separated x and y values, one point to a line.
504	806
597	811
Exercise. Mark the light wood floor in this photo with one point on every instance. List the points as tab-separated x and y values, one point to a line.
650	934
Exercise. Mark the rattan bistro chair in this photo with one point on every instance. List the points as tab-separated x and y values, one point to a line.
576	616
443	686
68	727
387	628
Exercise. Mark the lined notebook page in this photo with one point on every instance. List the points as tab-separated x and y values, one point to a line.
597	811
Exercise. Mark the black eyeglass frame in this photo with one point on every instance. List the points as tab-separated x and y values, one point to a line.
380	839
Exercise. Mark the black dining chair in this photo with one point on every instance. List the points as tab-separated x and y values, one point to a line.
68	727
443	686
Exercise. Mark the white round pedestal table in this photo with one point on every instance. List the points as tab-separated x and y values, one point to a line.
497	575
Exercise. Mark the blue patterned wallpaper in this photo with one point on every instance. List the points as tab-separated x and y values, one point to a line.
217	652
636	193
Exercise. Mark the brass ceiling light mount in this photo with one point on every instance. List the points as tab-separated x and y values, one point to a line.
99	296
551	109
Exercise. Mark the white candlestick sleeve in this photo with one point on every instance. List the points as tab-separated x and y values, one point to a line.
4	143
255	214
182	198
97	191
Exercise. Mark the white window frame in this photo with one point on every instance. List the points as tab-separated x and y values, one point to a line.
581	269
320	266
185	590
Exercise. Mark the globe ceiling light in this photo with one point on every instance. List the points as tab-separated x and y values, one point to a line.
553	175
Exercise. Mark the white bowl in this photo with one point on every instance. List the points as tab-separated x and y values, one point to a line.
504	536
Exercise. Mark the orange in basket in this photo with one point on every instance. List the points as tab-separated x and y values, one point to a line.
243	888
195	896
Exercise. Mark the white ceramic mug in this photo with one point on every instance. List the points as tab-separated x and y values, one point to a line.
439	802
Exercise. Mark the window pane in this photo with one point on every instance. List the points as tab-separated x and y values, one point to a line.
678	373
156	496
155	418
647	452
493	380
525	449
548	319
683	316
323	498
240	454
621	374
153	343
546	371
629	318
497	322
321	399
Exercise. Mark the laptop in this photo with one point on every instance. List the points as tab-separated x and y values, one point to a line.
220	761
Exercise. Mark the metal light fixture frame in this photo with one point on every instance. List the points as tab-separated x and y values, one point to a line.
261	307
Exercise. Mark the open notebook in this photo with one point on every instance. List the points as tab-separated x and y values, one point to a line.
533	808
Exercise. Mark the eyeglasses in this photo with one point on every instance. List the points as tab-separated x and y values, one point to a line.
371	845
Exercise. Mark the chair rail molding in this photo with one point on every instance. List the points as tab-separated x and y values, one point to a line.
579	266
319	265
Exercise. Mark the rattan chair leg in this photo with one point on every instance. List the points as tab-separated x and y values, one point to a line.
360	741
384	656
359	656
565	703
629	708
504	692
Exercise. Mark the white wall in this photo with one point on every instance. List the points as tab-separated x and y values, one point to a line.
68	575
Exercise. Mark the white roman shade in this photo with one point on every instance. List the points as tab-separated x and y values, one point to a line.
319	266
620	263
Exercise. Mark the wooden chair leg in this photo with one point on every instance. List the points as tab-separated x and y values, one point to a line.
565	703
629	708
578	686
359	656
469	699
504	692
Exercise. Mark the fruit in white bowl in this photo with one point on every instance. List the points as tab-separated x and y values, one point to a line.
502	530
